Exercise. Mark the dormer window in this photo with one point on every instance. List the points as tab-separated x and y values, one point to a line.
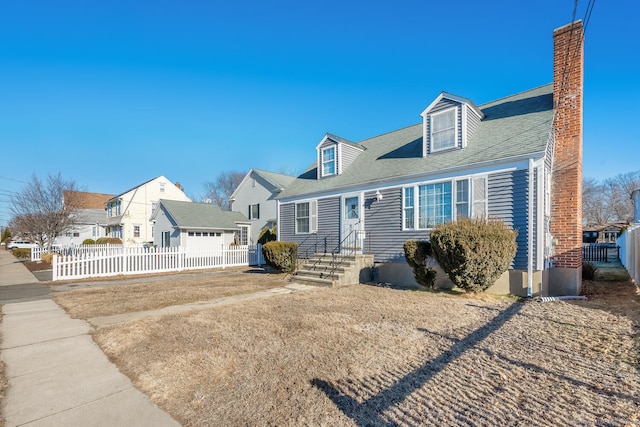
443	130
448	124
335	154
329	161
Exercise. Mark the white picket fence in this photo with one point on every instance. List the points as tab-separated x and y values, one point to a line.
629	242
140	260
36	253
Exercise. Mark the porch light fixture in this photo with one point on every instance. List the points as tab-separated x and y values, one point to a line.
378	195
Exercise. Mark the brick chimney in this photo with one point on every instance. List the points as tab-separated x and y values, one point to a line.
566	200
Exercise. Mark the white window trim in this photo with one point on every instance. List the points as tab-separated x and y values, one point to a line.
334	161
432	148
454	213
313	216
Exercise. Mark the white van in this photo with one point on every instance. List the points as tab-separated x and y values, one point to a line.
21	244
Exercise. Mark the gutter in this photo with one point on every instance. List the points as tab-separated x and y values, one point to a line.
401	179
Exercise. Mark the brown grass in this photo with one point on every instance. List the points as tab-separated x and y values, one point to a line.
363	355
108	300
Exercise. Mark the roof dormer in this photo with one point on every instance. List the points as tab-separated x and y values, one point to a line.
334	155
448	123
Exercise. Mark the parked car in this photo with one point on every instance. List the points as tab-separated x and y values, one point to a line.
21	244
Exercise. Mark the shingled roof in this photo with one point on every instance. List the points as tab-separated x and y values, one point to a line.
85	200
514	127
201	215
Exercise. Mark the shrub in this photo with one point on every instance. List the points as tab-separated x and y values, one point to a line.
108	240
281	255
416	253
88	242
474	252
589	271
267	235
48	257
23	253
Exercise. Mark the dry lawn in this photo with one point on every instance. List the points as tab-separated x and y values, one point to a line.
179	289
369	356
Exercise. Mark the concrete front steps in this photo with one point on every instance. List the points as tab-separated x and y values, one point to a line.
349	269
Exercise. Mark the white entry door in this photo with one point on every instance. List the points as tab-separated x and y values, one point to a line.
352	224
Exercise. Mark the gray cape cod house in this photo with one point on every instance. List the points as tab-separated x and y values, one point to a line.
517	158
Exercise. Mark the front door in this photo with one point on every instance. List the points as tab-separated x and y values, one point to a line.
352	223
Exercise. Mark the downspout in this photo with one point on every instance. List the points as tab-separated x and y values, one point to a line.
530	233
277	220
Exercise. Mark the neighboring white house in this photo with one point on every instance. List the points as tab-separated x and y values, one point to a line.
255	198
197	225
89	217
128	213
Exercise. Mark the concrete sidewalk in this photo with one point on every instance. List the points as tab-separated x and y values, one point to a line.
12	272
57	375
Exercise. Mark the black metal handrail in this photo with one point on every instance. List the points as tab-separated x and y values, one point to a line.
316	241
352	243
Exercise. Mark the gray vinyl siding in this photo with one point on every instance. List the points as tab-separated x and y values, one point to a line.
349	154
508	200
383	226
328	235
473	121
445	104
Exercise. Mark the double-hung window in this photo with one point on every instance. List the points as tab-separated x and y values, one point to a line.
409	210
329	161
306	217
462	198
443	130
254	211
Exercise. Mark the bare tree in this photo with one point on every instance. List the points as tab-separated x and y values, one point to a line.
595	203
39	210
619	189
219	191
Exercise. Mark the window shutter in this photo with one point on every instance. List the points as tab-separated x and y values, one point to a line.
313	216
258	213
249	214
480	197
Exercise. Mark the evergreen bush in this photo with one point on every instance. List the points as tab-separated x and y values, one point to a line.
474	252
109	240
88	242
589	271
281	255
417	252
267	235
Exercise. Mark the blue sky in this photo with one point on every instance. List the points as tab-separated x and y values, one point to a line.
114	93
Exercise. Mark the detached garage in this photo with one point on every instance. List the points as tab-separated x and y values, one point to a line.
197	225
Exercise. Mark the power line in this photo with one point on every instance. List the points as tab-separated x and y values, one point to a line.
13	179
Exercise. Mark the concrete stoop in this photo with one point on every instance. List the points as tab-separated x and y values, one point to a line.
338	270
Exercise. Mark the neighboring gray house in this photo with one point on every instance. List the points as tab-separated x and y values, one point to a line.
256	198
197	225
461	160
